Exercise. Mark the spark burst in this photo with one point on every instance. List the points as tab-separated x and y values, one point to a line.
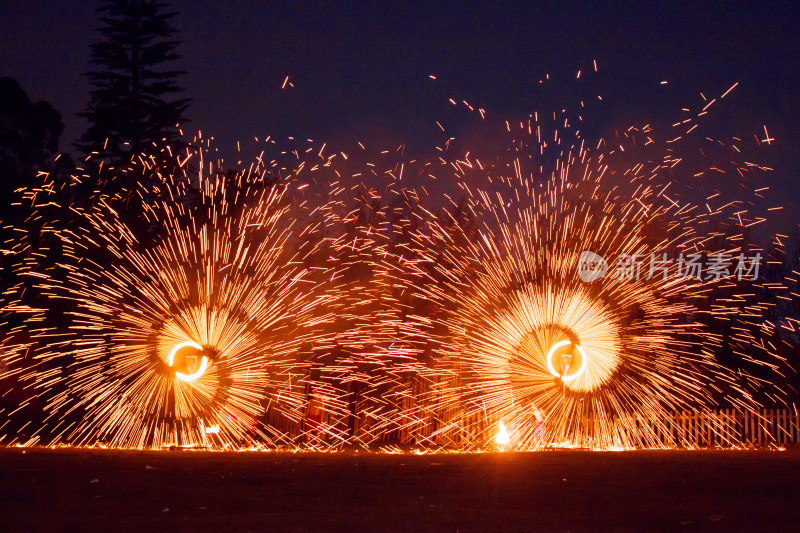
520	338
237	312
197	322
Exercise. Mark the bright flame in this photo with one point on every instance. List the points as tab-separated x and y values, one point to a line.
212	429
502	435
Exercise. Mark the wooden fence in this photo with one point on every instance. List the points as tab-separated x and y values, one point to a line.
710	429
728	427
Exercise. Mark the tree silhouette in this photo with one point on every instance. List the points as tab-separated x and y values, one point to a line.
129	111
29	133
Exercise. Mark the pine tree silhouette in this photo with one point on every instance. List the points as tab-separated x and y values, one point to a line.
130	112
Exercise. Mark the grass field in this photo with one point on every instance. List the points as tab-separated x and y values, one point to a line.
111	490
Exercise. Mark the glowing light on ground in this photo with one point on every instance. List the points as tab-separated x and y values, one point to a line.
502	437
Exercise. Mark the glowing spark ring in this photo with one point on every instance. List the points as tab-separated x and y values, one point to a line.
203	362
552	352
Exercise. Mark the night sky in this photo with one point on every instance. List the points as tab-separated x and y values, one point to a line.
363	72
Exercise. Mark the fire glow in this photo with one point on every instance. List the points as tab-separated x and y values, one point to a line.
321	302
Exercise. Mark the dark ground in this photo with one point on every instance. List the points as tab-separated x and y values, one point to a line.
105	490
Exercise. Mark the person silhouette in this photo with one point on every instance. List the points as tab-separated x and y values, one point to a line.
566	362
315	412
538	428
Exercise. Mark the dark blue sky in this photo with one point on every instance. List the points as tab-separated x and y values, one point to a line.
362	72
